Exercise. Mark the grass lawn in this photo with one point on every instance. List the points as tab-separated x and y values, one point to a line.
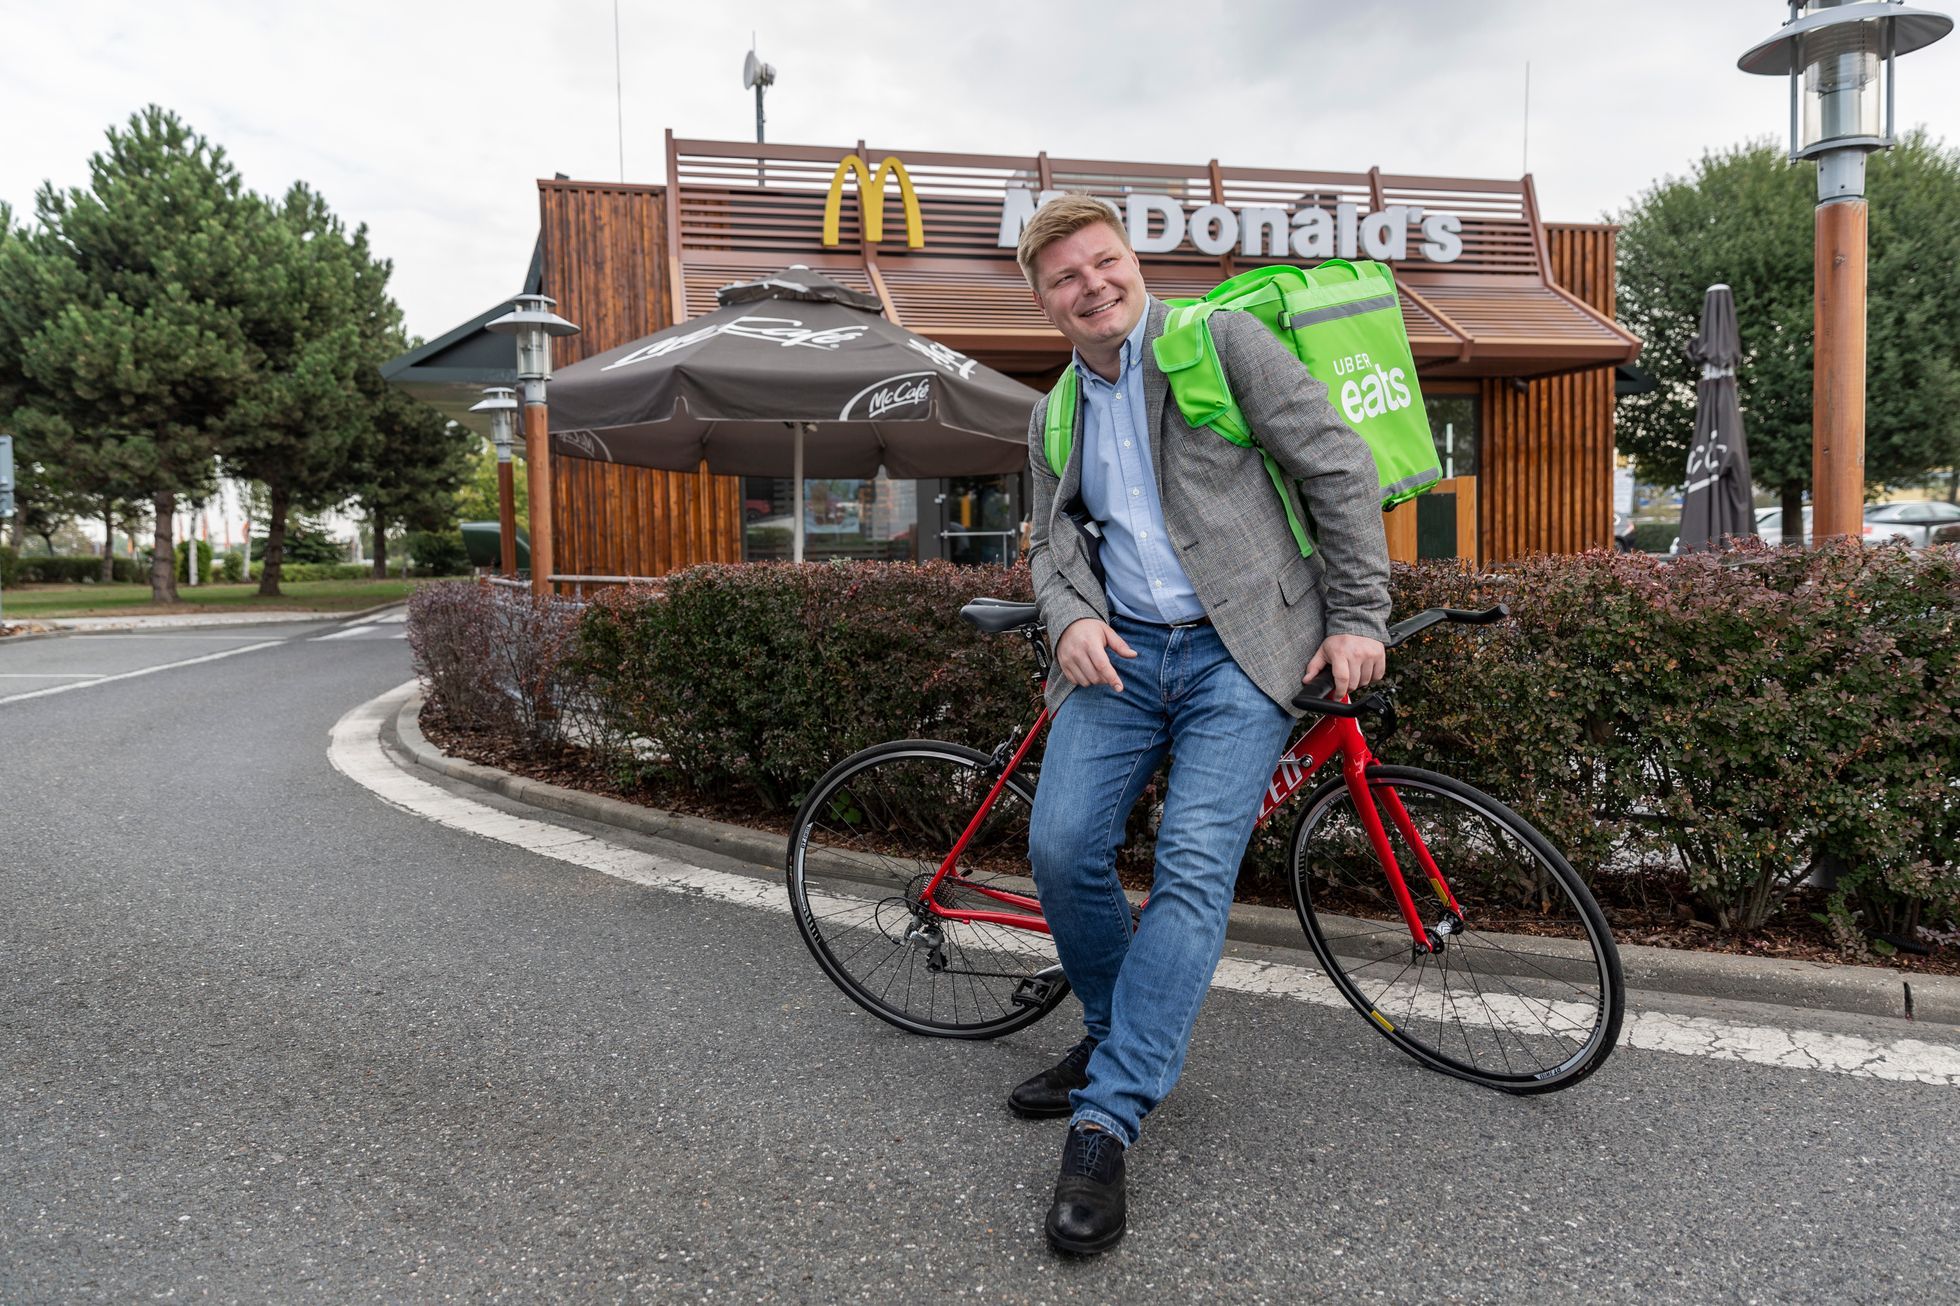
31	602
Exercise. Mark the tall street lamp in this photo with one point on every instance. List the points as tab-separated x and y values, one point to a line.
1840	57
534	324
501	403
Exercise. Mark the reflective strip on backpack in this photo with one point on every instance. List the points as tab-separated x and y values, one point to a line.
1315	316
1412	485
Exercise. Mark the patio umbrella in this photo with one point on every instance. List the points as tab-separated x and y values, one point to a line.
793	374
1717	501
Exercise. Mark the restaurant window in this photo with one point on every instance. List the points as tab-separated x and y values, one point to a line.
1453	423
981	521
874	519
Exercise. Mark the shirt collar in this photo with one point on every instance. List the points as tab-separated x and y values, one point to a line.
1132	351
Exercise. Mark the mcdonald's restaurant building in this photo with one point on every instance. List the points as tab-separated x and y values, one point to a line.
1510	318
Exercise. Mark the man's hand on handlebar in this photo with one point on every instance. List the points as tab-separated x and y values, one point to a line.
1354	661
1083	654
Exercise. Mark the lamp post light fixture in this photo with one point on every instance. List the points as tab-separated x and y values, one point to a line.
1840	57
534	324
501	403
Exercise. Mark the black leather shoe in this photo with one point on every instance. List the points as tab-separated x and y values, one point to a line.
1089	1212
1045	1096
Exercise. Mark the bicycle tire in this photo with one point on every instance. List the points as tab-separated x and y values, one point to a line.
867	839
1540	991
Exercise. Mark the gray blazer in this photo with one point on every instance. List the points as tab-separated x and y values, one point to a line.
1271	607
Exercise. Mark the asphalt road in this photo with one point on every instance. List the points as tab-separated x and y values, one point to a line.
265	1037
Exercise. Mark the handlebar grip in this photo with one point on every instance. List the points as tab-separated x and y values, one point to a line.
1313	697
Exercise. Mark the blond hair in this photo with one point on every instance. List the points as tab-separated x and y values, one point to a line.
1059	219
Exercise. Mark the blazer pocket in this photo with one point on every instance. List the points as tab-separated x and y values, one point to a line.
1297	580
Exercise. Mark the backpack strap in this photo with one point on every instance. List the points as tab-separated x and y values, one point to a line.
1058	425
1188	356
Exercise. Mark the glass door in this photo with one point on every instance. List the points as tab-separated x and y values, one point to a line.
980	519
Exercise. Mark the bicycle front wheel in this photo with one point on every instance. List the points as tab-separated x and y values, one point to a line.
1521	990
867	842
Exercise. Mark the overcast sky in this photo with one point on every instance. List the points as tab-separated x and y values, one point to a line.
430	120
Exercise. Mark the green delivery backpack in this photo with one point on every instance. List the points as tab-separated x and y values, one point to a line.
1344	321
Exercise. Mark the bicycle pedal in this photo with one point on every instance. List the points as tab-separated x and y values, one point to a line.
1039	988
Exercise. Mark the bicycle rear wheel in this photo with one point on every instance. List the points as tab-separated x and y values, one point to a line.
866	843
1525	994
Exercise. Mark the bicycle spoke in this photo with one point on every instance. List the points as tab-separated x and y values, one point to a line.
868	843
1501	1004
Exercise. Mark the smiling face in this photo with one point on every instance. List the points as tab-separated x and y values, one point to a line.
1090	286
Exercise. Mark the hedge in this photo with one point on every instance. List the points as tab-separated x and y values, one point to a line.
757	678
1655	536
205	573
1725	727
296	572
65	569
1749	722
494	660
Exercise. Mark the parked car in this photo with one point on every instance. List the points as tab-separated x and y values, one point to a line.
1914	521
1769	525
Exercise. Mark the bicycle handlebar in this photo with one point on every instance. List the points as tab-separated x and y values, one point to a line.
1423	620
1313	696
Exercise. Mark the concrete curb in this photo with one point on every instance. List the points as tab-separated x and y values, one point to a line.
32	635
1807	985
191	621
201	620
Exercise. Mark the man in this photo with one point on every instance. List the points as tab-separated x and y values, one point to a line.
1206	623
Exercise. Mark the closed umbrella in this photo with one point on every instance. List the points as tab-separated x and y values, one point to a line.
793	375
1717	504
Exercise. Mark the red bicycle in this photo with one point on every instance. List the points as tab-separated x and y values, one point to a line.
908	874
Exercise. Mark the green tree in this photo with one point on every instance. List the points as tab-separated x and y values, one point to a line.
318	327
414	463
1744	217
478	499
121	315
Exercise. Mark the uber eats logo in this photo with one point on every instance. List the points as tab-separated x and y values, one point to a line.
1370	389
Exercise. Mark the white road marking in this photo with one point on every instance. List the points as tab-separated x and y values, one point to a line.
144	671
342	634
356	751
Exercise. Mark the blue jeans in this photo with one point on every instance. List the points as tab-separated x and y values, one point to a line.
1183	695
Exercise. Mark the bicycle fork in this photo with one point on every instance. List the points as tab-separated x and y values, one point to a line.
1355	761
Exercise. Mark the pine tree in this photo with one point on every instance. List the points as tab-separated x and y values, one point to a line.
320	331
122	326
412	468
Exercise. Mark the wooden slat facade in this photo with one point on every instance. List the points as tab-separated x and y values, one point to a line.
1545	453
1546	459
605	264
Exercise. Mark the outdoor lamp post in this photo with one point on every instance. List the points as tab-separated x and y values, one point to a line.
534	324
501	403
1840	56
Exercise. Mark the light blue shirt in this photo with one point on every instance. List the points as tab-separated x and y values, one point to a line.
1146	583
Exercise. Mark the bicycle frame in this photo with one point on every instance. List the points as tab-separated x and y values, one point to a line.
1331	736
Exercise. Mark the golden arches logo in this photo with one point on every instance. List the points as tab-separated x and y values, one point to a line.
871	200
